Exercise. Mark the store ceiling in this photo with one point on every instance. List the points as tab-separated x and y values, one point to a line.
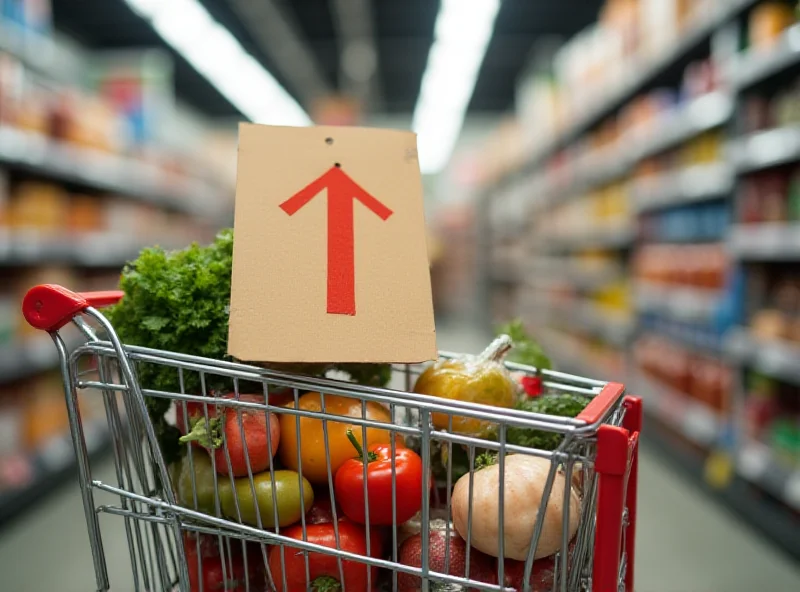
401	32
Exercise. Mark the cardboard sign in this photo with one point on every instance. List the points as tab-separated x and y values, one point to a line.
329	260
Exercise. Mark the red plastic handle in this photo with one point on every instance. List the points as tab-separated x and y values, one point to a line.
49	307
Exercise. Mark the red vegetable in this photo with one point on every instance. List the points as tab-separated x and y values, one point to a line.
532	385
206	566
349	484
323	568
542	572
481	566
253	433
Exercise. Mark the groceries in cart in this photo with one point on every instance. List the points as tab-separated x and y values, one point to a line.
488	471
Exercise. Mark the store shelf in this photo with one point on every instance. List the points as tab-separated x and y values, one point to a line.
776	241
106	172
754	67
765	149
582	277
688	335
30	357
690	185
603	166
696	421
611	238
613	329
37	52
681	303
775	358
95	250
691	119
647	74
52	466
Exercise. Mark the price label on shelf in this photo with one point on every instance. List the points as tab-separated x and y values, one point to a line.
718	469
753	461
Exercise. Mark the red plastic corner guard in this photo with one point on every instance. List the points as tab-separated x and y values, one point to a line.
617	468
49	307
598	406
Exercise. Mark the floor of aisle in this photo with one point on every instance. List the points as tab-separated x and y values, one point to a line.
685	542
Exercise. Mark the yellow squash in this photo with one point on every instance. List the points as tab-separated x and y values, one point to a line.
475	379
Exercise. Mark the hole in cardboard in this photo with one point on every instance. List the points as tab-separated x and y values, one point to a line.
329	141
337	165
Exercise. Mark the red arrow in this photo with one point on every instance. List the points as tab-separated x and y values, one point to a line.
342	190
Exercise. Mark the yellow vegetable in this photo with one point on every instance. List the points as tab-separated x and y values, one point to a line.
476	379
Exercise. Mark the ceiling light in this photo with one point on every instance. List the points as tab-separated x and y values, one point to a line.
216	54
462	34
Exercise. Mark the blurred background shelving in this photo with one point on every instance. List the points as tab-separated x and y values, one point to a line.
98	159
644	224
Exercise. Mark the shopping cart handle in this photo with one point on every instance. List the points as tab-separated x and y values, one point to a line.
49	307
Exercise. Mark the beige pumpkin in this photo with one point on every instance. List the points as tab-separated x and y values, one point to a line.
525	478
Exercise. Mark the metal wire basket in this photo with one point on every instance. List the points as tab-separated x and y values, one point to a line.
169	538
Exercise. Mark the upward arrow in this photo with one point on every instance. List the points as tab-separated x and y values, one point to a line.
342	190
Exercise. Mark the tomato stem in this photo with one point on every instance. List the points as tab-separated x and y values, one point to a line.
325	584
209	436
370	457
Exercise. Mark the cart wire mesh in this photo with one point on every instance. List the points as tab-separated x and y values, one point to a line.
164	531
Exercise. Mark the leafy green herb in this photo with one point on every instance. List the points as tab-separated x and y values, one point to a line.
525	350
485	459
562	405
177	301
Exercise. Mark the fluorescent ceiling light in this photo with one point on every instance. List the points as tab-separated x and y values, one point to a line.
462	34
219	57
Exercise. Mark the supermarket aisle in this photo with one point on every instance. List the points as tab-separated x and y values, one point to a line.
685	544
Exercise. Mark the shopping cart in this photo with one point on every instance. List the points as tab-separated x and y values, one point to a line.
597	454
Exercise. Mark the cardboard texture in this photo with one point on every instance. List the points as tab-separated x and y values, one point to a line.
330	259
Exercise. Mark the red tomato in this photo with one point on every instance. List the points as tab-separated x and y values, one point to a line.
349	484
323	568
481	567
542	572
253	434
206	566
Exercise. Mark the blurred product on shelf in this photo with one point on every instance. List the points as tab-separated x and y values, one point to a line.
767	21
770	196
600	213
772	418
702	378
46	212
700	266
773	309
114	116
691	223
